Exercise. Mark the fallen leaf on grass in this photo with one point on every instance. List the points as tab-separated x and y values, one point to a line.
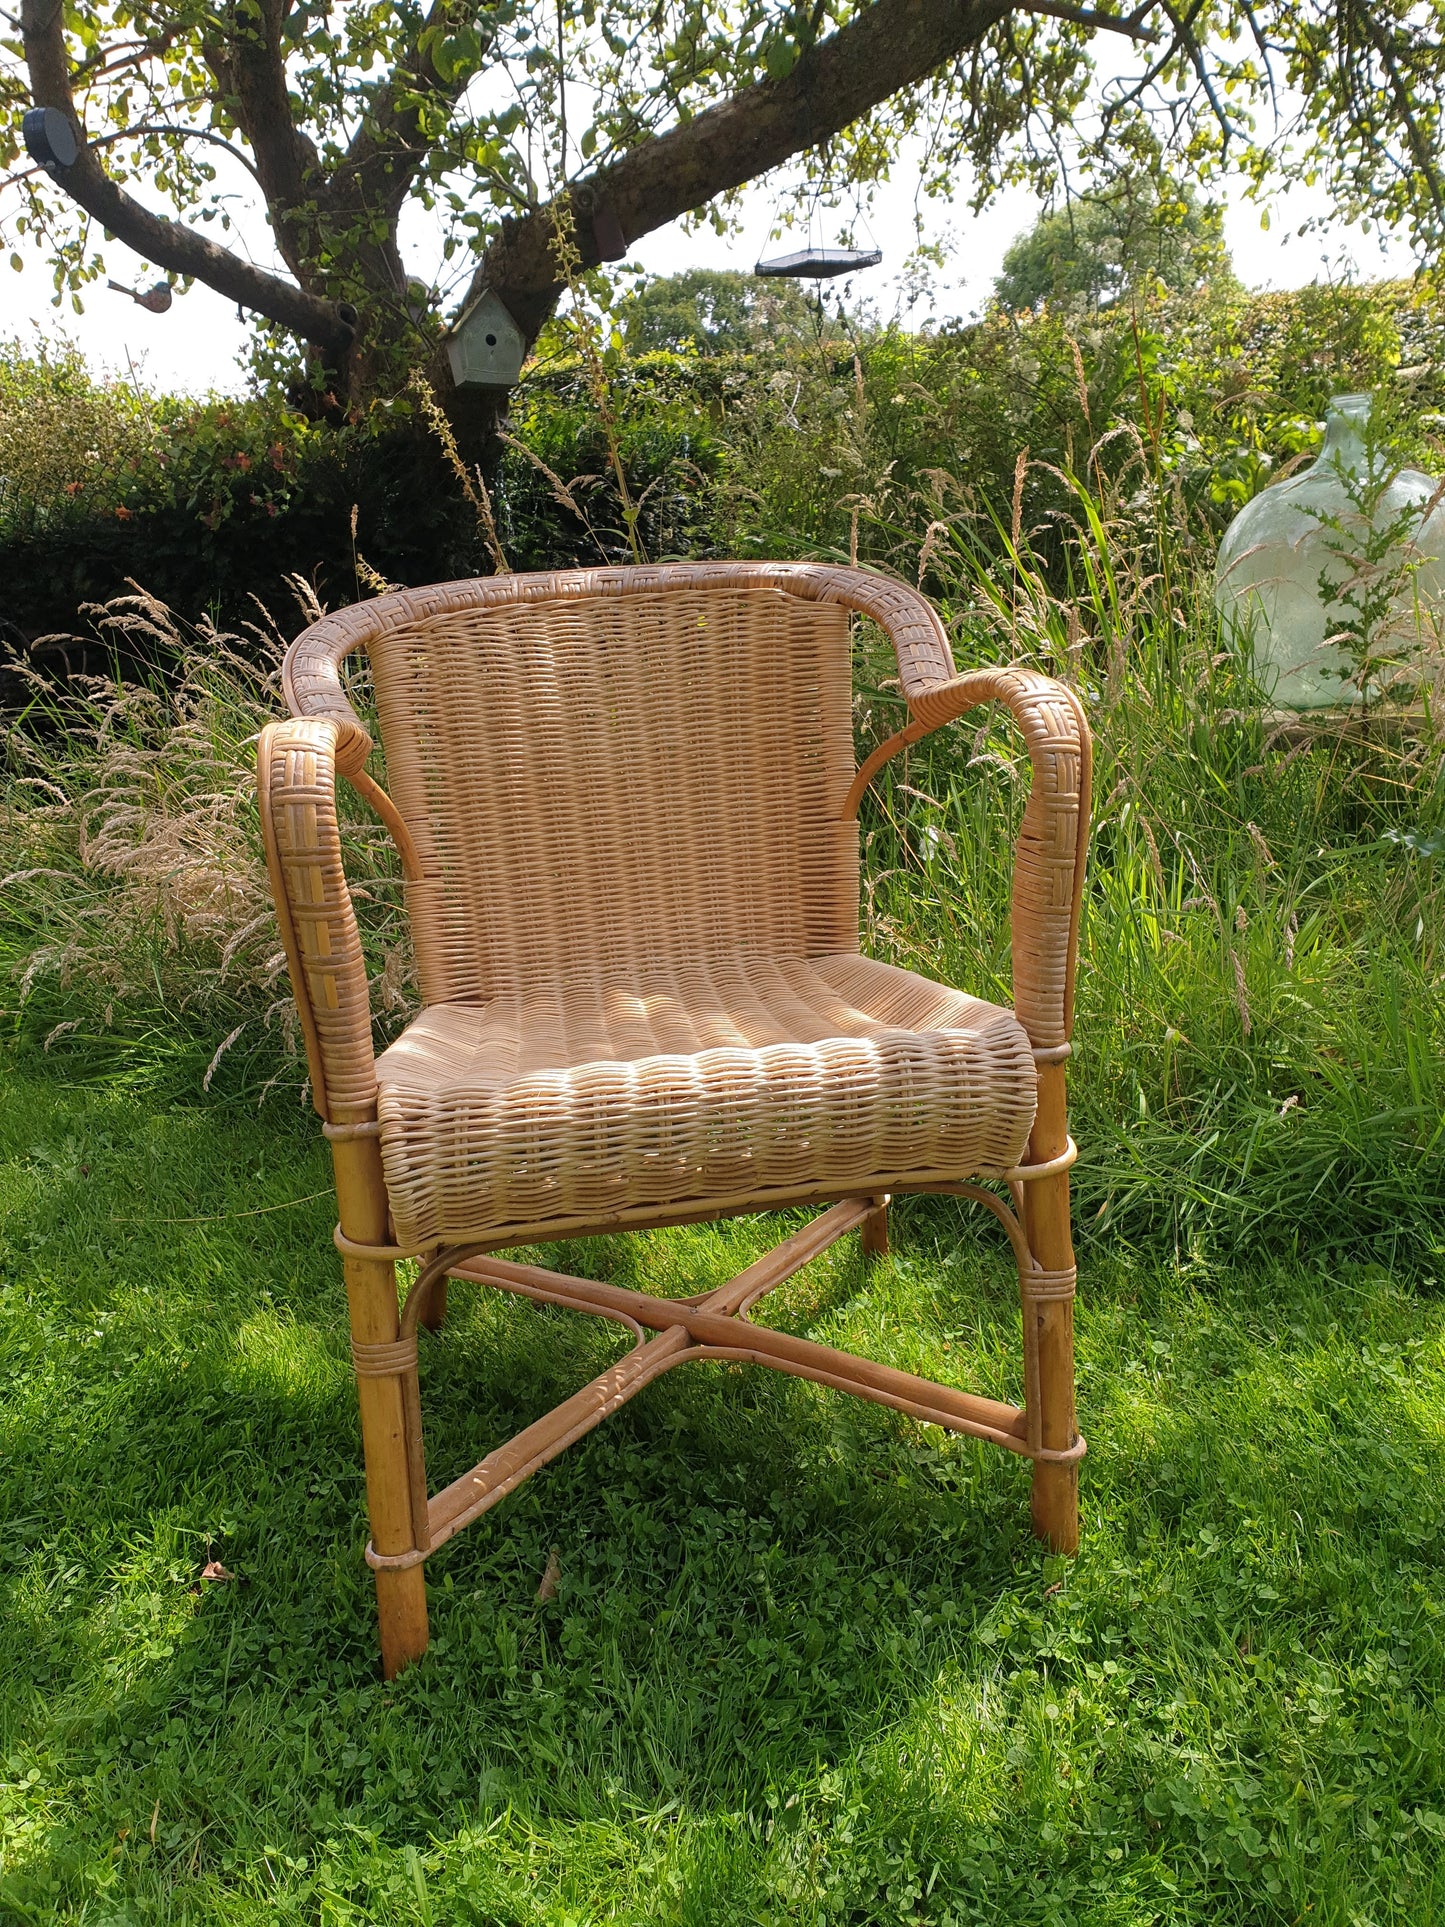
550	1578
213	1569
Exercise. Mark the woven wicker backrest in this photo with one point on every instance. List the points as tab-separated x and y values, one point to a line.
598	782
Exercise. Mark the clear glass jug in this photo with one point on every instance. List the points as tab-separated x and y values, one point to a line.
1322	644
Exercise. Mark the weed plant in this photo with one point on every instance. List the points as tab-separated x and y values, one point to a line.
1260	1024
1260	986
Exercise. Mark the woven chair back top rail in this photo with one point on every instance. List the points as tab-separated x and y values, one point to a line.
312	672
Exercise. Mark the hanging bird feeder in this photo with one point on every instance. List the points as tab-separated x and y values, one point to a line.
156	300
818	264
50	139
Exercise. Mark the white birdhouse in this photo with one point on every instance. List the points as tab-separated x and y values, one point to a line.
485	348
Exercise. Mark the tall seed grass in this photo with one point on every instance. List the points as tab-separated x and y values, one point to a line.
137	935
1261	1025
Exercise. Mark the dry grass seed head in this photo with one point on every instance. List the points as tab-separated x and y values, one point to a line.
131	836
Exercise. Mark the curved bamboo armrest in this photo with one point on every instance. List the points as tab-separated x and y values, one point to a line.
296	768
1049	855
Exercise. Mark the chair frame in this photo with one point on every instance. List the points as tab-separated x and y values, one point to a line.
299	762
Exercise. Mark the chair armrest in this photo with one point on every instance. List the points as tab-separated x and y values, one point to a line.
296	786
1049	855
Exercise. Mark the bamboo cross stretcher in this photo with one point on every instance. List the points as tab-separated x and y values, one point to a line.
713	1326
627	1024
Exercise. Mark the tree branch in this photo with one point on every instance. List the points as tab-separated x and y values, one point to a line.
1138	88
165	242
1405	105
1186	39
888	45
251	69
134	133
1129	25
183	133
382	161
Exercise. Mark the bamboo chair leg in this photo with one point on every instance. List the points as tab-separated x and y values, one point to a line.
371	1295
1055	1499
874	1232
434	1312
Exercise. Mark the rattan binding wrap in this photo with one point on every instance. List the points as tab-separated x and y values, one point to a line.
389	1360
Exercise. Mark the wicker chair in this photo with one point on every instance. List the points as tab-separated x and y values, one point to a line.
625	802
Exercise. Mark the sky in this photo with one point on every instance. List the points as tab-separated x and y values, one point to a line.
196	347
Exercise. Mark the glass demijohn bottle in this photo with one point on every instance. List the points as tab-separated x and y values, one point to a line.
1308	648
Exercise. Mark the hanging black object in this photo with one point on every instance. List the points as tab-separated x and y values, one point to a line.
50	139
818	264
607	233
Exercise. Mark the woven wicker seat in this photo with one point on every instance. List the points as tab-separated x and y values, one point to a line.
712	1089
626	805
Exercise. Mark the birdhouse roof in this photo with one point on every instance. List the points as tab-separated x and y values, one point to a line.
475	307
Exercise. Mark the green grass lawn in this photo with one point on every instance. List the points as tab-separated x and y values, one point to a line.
805	1662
